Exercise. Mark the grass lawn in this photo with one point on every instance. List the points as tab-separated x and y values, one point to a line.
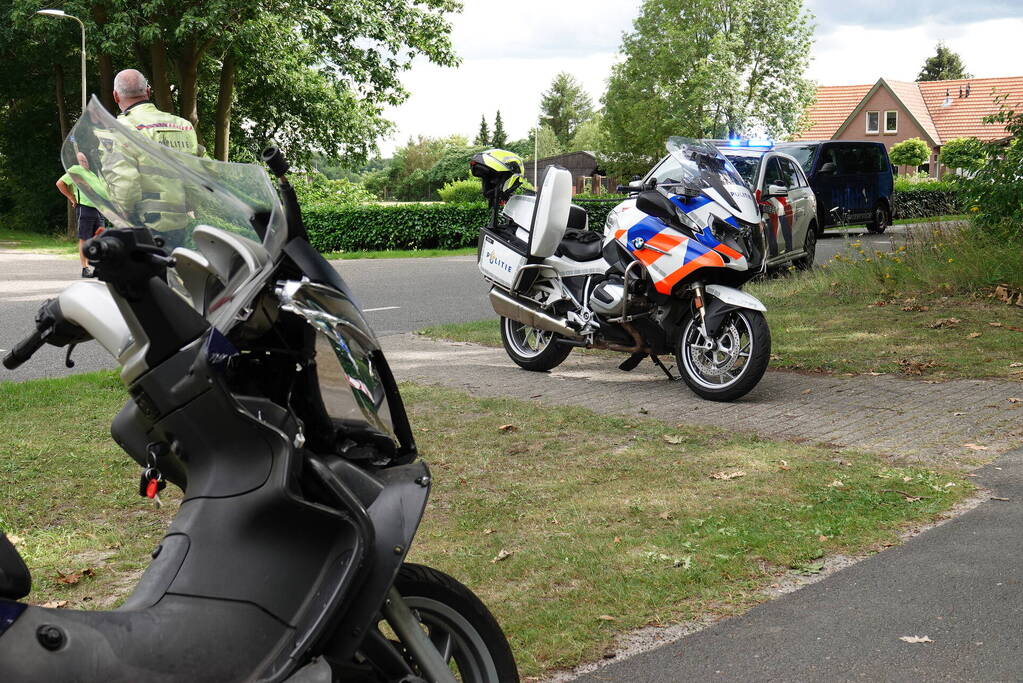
572	526
904	221
44	244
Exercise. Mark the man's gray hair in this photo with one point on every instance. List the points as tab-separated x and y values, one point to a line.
130	83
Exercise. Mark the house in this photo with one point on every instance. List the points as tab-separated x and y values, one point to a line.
581	164
893	111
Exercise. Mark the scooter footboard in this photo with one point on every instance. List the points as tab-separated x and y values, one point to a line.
183	638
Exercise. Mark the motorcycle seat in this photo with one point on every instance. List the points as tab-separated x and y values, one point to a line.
15	581
580	245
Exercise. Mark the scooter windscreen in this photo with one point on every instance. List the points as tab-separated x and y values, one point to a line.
705	169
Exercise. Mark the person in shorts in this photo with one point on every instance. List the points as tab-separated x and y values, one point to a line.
87	216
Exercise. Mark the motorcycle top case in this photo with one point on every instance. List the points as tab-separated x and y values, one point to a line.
498	261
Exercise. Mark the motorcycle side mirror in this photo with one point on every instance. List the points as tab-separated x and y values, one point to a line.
655	204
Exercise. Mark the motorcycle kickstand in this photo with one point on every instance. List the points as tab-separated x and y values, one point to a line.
665	370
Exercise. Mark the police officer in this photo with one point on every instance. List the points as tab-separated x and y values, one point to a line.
153	193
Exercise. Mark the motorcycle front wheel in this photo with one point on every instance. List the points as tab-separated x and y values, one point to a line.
531	348
729	365
458	624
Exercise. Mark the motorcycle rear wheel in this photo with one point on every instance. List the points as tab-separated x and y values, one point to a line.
532	349
458	623
742	350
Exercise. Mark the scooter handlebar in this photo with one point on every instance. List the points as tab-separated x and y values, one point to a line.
23	350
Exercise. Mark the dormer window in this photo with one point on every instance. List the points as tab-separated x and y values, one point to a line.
891	122
873	122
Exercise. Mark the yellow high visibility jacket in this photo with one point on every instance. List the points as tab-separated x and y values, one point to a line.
141	186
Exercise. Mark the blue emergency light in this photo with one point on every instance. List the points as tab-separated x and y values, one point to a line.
751	143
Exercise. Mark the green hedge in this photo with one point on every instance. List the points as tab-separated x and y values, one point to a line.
375	227
925	202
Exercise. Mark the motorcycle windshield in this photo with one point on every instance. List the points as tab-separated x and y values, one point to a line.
138	183
705	169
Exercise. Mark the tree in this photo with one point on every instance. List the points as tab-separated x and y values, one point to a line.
993	195
911	152
945	65
547	143
966	153
483	137
589	137
500	138
706	68
565	105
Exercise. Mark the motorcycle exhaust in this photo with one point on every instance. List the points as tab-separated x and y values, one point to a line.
515	309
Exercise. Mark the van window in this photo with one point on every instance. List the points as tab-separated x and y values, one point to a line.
802	153
853	158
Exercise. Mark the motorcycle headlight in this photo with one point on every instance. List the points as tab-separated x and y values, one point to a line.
611	224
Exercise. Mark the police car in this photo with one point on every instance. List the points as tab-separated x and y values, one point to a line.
786	200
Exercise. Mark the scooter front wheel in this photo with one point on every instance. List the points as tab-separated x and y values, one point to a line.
458	625
532	348
729	365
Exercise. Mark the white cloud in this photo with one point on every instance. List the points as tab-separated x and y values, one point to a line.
511	52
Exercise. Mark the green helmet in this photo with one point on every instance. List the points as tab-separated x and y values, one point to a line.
501	172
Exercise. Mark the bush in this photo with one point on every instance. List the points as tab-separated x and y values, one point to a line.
995	194
376	227
468	191
926	202
598	206
911	152
316	188
966	153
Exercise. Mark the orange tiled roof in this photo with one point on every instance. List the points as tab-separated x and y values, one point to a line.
963	117
829	111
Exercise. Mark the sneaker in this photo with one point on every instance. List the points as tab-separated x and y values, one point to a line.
88	272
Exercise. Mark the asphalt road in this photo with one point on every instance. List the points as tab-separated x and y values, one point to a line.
957	584
398	295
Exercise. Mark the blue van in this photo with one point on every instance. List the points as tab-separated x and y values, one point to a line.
855	177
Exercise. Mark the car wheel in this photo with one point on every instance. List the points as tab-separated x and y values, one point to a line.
879	221
810	249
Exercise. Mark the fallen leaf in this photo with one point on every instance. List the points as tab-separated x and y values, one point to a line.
950	484
1004	500
916	639
644	411
907	479
618	539
89	572
784	465
665	515
975	447
807	391
727	476
507	428
1015	400
14	539
822	538
607	617
995	324
973	335
775	356
55	604
68	579
672	439
944	322
836	484
876	374
487	532
957	414
811	568
610	654
1016	365
502	555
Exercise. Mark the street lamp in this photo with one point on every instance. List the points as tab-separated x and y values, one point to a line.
536	148
60	13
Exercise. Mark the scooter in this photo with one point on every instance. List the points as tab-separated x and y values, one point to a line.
664	279
258	388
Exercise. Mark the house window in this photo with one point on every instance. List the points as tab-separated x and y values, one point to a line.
873	122
891	121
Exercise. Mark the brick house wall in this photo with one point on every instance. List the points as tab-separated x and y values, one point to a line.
882	101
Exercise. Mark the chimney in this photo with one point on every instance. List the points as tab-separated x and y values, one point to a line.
960	91
967	89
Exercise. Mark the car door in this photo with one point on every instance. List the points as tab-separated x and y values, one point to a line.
801	200
777	209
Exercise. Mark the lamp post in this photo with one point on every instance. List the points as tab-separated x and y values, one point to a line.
61	14
536	147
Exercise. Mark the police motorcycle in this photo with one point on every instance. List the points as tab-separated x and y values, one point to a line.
259	389
664	279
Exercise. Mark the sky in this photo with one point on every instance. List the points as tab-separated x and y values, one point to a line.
511	51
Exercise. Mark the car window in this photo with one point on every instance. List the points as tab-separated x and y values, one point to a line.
802	153
788	170
773	174
748	167
852	158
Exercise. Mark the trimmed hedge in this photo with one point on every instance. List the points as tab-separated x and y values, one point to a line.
375	227
926	203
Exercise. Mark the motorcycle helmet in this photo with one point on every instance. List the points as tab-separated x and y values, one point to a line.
501	171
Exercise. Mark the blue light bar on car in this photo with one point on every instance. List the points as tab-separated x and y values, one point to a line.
751	143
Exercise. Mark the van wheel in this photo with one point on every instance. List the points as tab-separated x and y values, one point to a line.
880	220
